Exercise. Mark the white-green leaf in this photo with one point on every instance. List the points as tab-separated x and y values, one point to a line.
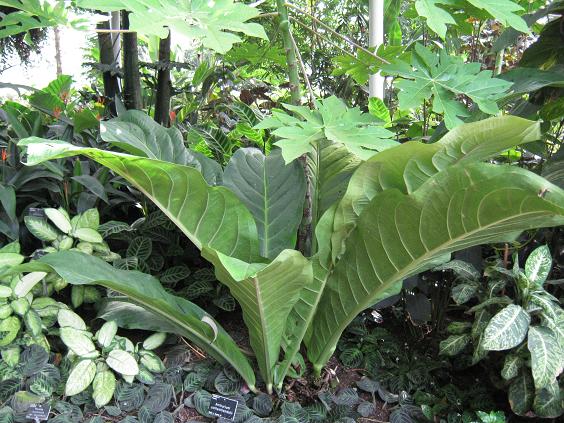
122	362
59	218
538	265
27	282
454	344
506	329
511	366
106	333
68	318
80	377
273	191
78	342
154	341
10	259
548	401
103	386
88	235
546	355
40	229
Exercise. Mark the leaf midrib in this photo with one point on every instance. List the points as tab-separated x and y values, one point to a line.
363	305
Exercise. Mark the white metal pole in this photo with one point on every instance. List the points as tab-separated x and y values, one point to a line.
376	39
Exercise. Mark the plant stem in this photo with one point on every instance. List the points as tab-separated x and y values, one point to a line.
162	100
499	61
131	77
291	60
304	72
335	33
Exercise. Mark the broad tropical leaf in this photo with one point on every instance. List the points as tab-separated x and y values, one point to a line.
443	78
182	316
359	132
267	293
546	356
207	21
209	216
274	193
507	329
462	206
409	165
136	133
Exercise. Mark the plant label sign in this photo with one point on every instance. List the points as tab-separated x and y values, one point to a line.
223	407
38	412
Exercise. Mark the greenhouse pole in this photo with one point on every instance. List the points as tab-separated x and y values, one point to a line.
376	39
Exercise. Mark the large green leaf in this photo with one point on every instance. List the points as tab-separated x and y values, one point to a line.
136	133
546	356
501	10
330	168
32	14
274	193
444	78
504	12
409	165
437	17
209	216
399	235
204	20
267	293
361	133
186	318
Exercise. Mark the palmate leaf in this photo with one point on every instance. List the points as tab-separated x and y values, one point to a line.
181	316
203	20
443	78
274	193
438	17
359	132
267	293
210	216
32	14
399	235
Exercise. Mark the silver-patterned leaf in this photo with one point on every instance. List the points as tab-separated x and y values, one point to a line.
511	366
546	355
104	386
454	344
506	329
80	377
122	362
521	394
538	265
